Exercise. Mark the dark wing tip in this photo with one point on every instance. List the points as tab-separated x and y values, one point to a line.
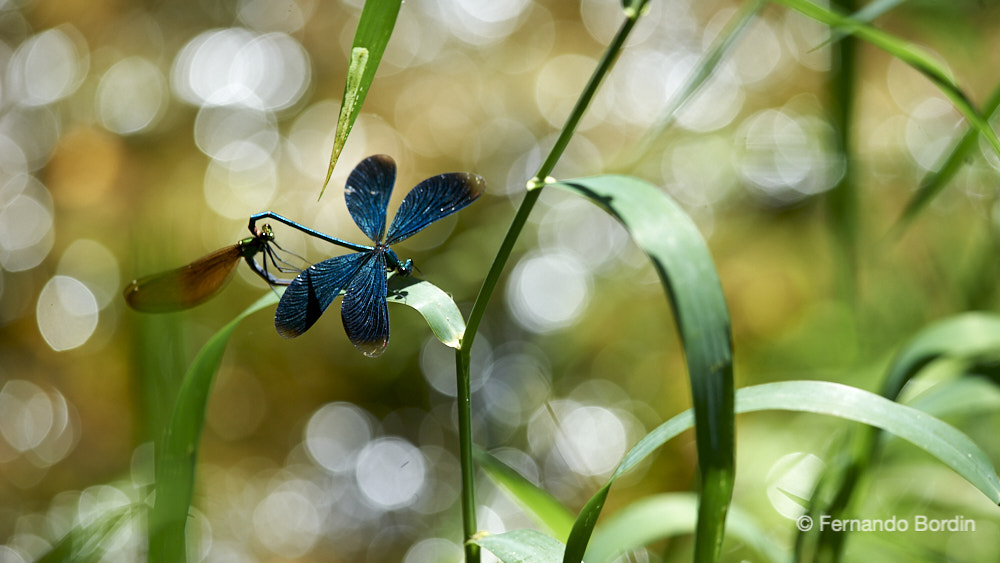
371	349
286	330
475	185
381	159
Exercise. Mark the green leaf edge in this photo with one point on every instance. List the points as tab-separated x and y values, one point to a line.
684	263
521	546
378	18
908	53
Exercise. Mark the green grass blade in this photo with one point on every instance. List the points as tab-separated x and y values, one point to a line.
866	14
177	453
521	546
842	200
935	181
906	52
939	439
703	71
436	306
666	515
84	542
950	446
378	18
967	396
967	336
538	503
682	260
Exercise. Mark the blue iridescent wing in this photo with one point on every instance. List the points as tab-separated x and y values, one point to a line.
364	311
432	199
367	193
312	291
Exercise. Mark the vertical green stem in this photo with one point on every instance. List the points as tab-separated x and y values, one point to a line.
464	395
463	353
843	198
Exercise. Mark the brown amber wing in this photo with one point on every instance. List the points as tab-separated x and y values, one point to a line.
186	286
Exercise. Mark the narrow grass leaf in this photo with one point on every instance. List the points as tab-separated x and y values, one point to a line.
538	503
521	546
941	440
701	73
378	18
967	336
682	259
667	515
436	306
935	181
177	453
867	14
906	52
967	396
950	446
86	541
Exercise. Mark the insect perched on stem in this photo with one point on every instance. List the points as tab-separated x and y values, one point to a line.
197	282
362	276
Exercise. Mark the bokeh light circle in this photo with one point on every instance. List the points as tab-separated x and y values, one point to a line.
131	96
548	291
66	313
390	472
335	434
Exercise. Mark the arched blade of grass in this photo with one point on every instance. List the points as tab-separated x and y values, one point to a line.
935	181
85	542
378	18
539	504
702	72
906	52
965	337
176	455
866	14
521	546
939	439
968	396
682	260
667	515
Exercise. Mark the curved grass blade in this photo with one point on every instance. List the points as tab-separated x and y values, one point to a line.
939	439
703	71
437	307
176	456
666	515
374	30
935	181
966	337
943	441
682	260
906	52
177	452
538	503
84	542
521	546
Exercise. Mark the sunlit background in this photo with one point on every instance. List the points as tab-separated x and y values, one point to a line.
136	137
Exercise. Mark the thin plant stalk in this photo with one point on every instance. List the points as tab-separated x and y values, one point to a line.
463	352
